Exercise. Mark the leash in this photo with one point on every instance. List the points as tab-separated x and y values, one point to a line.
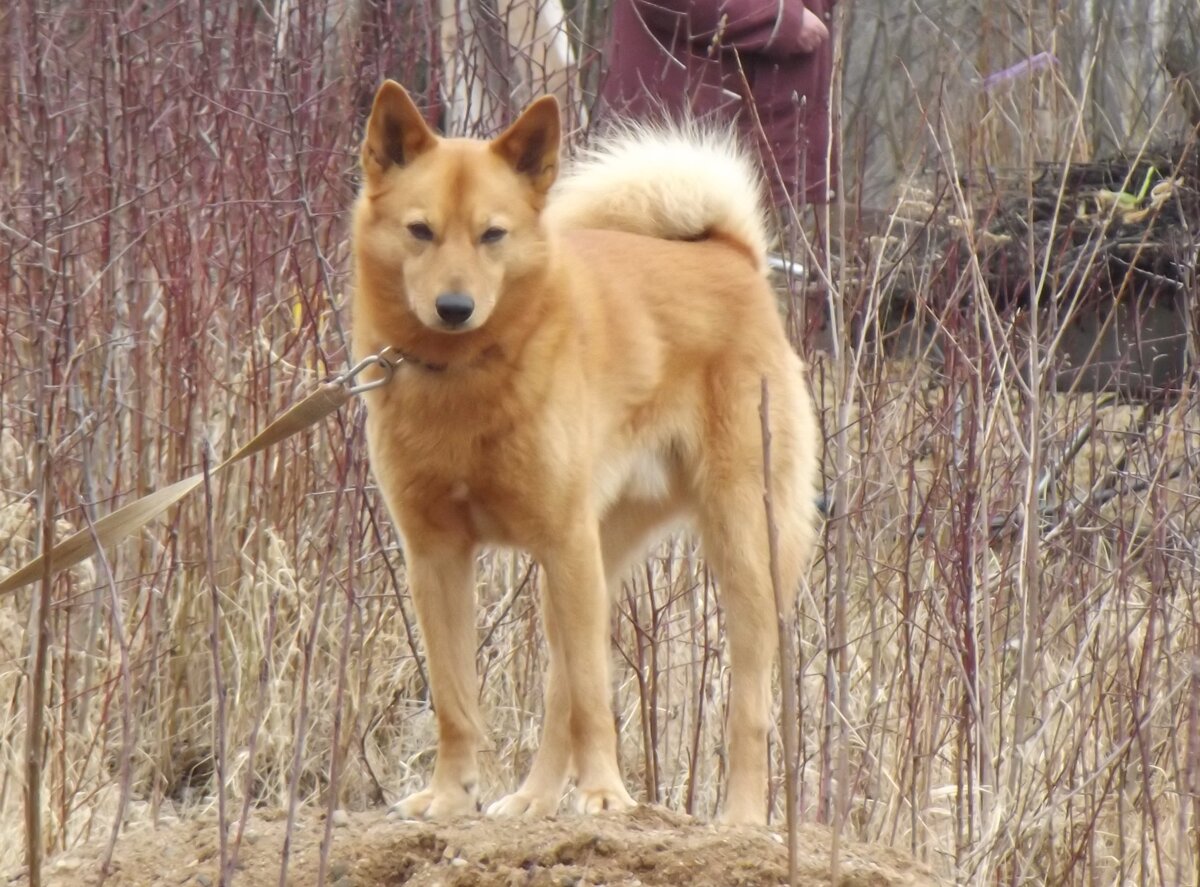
328	398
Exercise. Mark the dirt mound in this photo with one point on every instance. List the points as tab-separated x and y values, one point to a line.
649	846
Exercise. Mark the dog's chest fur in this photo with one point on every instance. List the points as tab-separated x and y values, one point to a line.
457	475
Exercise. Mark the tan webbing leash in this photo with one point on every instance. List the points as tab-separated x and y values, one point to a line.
328	398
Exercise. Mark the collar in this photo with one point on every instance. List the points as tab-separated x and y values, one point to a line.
388	359
401	357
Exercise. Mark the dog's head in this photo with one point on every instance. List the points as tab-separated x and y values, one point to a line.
454	219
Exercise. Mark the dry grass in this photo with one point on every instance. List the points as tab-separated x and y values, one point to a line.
1012	699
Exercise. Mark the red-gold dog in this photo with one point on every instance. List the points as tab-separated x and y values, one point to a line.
584	368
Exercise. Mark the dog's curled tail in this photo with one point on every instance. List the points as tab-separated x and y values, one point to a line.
676	182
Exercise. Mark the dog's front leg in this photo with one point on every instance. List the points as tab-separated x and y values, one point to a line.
442	581
579	731
542	789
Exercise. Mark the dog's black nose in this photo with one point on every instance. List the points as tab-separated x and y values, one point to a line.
454	308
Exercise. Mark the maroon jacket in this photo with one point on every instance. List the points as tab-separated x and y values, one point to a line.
709	56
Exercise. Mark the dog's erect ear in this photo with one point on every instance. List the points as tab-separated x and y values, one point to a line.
531	144
396	132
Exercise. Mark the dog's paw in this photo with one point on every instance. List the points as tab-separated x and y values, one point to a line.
523	804
599	800
752	814
433	804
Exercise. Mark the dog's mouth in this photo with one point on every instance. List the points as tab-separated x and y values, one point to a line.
453	329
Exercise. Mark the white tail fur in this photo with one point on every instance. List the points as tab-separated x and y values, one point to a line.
678	182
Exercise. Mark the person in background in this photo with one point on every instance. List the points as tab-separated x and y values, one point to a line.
765	63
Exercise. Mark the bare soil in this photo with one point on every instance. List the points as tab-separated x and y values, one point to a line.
649	846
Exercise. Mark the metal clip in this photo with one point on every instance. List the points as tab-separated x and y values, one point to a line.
387	360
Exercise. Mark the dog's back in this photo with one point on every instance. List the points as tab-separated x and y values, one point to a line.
666	222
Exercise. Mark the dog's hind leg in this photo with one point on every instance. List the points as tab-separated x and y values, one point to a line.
733	526
629	528
442	581
734	532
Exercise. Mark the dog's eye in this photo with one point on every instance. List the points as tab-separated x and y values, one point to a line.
421	231
491	235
